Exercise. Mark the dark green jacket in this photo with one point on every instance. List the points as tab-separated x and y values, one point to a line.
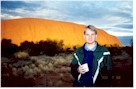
105	66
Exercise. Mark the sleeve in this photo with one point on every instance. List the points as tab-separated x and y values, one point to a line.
109	63
74	66
107	59
108	66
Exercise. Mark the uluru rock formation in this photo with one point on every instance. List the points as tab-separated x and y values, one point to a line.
35	29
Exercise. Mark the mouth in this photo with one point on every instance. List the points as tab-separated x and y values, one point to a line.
90	40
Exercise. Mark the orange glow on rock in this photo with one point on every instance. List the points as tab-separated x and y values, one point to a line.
33	29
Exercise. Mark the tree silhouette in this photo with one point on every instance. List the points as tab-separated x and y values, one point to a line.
53	47
28	47
48	47
7	48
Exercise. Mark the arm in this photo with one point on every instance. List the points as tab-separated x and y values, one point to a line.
74	68
108	69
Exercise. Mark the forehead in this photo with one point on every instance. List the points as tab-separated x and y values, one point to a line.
88	31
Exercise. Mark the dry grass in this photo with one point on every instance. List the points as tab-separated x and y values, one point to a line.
51	69
21	55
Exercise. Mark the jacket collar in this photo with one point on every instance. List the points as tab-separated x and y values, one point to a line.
93	49
97	48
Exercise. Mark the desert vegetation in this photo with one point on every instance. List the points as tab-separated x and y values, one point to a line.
50	71
47	64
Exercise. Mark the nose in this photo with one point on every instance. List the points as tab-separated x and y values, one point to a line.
90	36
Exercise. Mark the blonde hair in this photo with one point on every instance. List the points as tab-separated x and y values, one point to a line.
91	28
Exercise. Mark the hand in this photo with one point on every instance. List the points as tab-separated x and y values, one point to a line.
81	69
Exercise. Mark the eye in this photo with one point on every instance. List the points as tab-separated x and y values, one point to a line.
86	34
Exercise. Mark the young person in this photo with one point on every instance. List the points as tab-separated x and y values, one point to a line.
91	62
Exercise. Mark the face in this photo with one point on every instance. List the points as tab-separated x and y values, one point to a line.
90	36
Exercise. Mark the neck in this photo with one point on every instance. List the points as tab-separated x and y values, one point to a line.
91	45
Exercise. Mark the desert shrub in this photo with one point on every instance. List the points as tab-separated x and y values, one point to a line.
59	83
50	69
63	69
59	59
61	75
32	66
68	69
57	70
39	61
21	55
41	66
69	57
50	65
14	71
44	69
